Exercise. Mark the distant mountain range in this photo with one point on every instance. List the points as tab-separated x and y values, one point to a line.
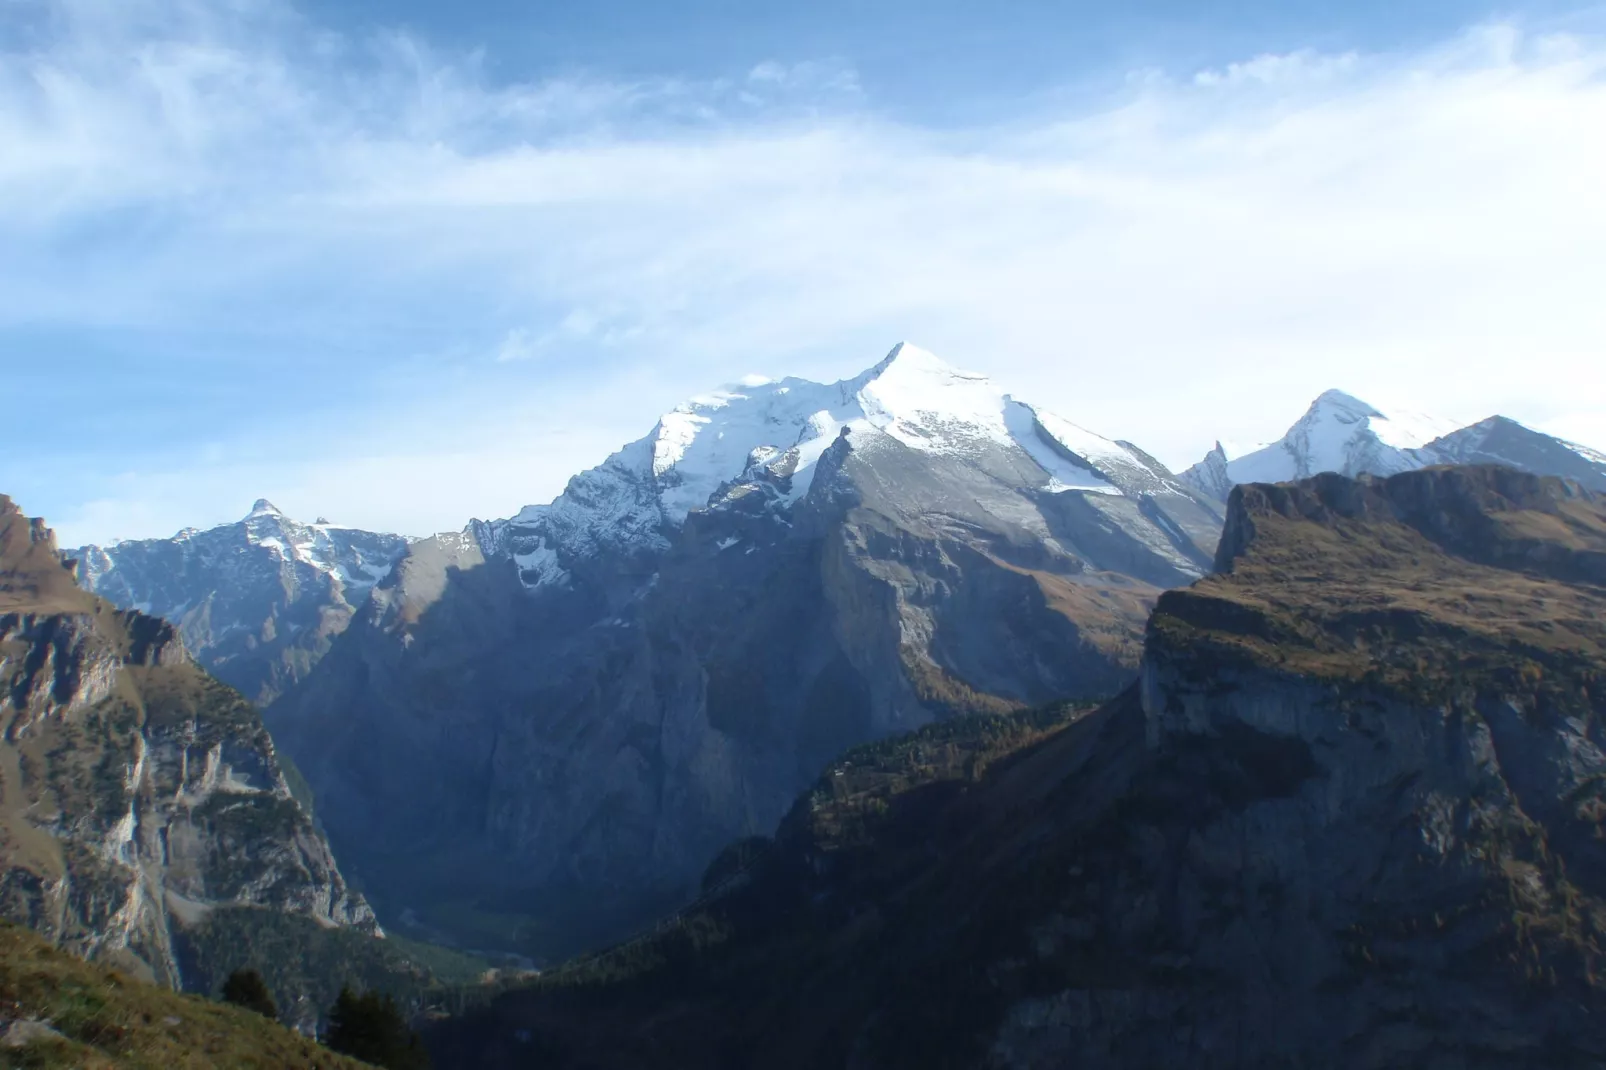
258	601
565	714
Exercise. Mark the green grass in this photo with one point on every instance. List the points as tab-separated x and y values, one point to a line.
446	965
109	1020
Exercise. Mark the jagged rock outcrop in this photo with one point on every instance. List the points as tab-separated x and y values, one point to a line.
579	706
137	794
1350	816
257	602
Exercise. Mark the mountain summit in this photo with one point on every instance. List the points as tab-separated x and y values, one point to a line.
1338	433
257	601
576	707
1499	440
774	434
1341	433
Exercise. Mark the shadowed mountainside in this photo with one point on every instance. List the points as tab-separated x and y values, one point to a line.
539	732
1350	816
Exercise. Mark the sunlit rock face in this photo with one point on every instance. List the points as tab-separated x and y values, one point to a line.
137	794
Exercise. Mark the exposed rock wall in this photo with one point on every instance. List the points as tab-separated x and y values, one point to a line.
1349	816
584	748
136	792
257	602
1387	721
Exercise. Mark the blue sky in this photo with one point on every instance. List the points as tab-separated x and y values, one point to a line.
404	263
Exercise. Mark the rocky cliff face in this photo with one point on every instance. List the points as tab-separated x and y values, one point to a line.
137	794
584	703
1388	710
1350	816
257	602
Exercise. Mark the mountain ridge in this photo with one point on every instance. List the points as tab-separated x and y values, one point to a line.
1340	433
258	601
776	431
1348	816
581	703
600	692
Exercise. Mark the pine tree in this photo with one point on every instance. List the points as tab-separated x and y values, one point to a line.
370	1027
245	988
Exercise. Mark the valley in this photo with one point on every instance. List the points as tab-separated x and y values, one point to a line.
986	739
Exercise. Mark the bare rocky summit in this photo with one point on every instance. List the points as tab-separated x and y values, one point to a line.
257	602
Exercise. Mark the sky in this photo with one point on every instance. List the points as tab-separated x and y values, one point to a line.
400	264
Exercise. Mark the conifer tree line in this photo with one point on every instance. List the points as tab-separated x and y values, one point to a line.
369	1025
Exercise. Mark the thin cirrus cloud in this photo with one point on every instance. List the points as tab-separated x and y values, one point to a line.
432	295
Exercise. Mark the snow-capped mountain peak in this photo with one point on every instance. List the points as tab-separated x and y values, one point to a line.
1338	433
1398	428
1491	435
248	594
930	405
910	398
1501	440
1341	433
357	559
1212	475
910	395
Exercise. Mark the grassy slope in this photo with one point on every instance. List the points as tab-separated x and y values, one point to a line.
107	1019
1350	583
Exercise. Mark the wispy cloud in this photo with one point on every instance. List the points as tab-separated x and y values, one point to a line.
517	345
1195	255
